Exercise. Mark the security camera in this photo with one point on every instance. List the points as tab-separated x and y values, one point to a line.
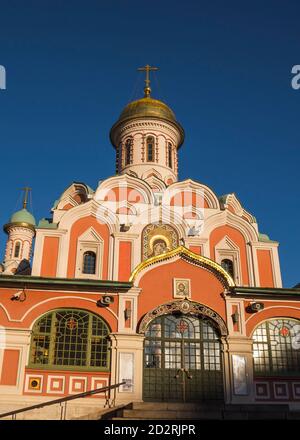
125	227
19	296
256	307
105	301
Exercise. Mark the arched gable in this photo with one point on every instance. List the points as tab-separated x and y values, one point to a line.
187	255
203	196
76	194
127	186
231	202
160	277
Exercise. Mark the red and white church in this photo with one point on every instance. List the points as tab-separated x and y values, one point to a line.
146	279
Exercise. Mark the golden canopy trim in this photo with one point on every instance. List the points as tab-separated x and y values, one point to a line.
188	255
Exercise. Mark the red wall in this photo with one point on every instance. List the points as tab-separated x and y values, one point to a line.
265	268
10	366
157	286
124	260
50	256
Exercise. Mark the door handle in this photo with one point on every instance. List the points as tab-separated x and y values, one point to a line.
188	375
177	373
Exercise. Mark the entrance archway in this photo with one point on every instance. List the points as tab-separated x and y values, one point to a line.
182	353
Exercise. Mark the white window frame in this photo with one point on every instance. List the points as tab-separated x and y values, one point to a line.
89	241
227	249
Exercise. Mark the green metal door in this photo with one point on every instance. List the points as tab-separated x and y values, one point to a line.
182	360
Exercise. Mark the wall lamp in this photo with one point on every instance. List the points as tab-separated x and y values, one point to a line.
127	313
235	317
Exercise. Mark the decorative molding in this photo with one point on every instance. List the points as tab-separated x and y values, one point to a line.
185	307
189	256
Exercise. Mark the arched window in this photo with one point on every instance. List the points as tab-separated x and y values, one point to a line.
150	149
128	145
17	249
228	266
276	345
170	162
68	338
89	262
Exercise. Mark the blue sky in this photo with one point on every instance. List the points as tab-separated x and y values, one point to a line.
225	69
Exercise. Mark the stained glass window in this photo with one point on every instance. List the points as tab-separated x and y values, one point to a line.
89	262
150	149
70	338
228	266
276	347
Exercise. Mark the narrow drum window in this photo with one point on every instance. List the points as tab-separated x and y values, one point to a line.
228	266
170	162
17	249
150	149
89	262
128	145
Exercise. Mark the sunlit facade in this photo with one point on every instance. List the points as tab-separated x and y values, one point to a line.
145	279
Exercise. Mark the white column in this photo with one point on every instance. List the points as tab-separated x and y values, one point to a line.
127	364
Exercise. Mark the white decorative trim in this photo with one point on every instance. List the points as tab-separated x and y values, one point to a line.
227	249
89	241
51	390
294	385
105	381
280	396
257	396
268	308
73	379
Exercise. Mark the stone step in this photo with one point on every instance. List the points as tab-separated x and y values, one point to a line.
170	414
201	411
176	406
257	408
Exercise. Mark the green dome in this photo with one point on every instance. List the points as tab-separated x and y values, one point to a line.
23	216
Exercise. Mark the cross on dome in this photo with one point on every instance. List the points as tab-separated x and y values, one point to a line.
147	69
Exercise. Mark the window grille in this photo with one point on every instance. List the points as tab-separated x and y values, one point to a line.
276	346
70	338
170	163
89	262
150	149
17	249
228	266
128	145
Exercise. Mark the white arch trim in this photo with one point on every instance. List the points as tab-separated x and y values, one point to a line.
54	299
270	318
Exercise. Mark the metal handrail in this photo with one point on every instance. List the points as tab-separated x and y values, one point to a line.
62	400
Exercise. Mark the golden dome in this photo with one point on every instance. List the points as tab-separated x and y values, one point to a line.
147	107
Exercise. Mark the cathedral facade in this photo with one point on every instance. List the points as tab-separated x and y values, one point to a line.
147	280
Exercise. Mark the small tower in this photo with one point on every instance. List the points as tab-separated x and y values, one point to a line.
147	137
21	231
